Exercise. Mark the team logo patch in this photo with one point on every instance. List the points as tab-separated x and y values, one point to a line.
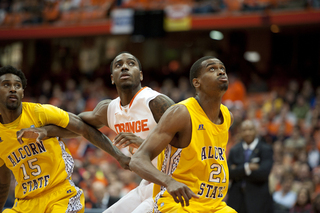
162	204
201	127
32	126
69	191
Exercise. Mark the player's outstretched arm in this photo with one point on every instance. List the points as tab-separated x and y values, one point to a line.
172	122
97	138
96	118
45	132
5	178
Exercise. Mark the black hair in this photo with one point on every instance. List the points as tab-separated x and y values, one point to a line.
10	69
196	67
111	65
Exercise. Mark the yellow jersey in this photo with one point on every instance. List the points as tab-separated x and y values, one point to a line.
202	165
37	167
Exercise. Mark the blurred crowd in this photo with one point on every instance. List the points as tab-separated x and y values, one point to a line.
26	12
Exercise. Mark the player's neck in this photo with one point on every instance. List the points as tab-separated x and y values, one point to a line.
211	106
8	116
127	95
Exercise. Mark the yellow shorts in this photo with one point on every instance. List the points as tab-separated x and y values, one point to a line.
63	198
167	206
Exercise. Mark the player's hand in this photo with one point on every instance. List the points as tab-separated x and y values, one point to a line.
36	133
124	139
124	162
180	192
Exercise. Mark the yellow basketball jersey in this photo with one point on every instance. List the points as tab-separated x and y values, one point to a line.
202	166
37	167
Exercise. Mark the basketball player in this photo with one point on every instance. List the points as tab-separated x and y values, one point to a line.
132	115
42	169
191	137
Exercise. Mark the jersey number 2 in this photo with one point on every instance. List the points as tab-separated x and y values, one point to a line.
216	171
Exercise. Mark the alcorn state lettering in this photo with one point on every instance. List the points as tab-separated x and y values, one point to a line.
132	126
212	152
27	150
211	191
37	183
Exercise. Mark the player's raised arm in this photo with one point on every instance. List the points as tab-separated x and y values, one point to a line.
172	122
5	178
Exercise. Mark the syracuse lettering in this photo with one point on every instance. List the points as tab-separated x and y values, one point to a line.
133	126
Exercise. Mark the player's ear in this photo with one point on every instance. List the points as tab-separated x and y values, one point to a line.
196	82
112	81
141	76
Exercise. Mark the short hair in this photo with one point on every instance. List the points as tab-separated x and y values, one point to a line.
111	65
11	70
196	67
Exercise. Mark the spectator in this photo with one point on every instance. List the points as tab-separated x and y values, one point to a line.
285	198
303	204
105	196
316	204
295	141
301	108
249	173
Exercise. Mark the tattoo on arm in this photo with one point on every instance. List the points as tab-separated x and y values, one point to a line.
103	142
159	105
95	137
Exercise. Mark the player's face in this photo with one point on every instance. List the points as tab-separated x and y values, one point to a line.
126	72
213	76
11	91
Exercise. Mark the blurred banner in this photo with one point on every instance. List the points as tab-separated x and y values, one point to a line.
122	21
178	17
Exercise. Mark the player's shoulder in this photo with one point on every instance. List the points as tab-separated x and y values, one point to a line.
161	100
104	103
178	111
